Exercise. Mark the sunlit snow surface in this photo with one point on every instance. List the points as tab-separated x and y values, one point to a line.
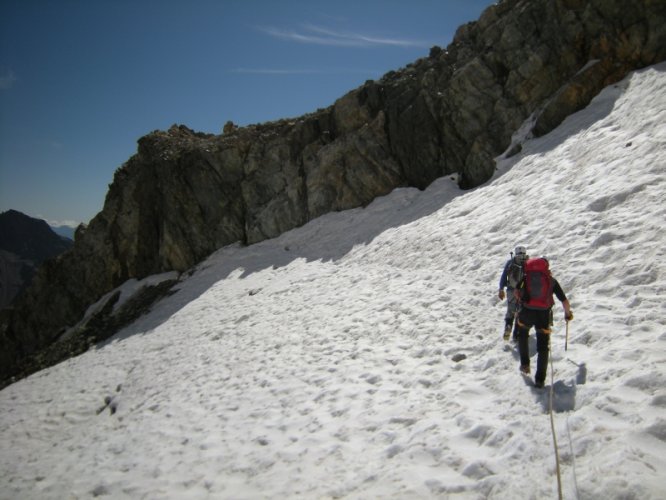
321	364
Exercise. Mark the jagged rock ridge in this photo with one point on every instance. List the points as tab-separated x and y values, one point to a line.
185	194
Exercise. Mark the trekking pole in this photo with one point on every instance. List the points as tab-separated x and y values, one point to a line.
566	338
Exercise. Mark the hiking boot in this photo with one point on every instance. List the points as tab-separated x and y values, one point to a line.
525	369
538	384
507	332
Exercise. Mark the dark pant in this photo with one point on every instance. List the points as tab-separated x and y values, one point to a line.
540	320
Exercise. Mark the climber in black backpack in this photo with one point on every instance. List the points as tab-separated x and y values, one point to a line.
535	297
511	276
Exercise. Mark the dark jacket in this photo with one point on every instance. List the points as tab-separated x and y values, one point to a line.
504	279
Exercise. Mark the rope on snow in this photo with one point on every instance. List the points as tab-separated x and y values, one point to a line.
573	459
552	426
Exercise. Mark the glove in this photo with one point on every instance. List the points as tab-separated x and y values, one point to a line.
501	295
568	315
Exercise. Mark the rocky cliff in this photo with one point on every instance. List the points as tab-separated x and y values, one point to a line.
185	194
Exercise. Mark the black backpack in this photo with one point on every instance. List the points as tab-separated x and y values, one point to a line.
515	273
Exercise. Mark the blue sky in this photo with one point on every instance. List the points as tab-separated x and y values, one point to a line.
82	80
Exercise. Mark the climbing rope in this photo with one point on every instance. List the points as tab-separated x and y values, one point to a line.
552	425
573	460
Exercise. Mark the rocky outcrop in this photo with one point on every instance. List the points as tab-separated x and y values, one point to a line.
185	194
98	326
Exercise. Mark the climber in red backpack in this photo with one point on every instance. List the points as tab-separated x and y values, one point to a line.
535	295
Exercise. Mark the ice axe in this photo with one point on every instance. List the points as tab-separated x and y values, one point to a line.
566	338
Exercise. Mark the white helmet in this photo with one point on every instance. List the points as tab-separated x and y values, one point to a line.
520	251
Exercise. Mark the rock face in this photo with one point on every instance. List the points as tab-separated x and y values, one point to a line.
185	194
25	243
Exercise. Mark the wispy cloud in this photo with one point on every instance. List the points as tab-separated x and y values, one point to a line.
7	80
297	71
269	71
319	35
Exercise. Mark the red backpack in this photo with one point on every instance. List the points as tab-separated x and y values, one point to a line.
538	291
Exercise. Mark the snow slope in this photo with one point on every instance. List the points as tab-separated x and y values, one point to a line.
326	363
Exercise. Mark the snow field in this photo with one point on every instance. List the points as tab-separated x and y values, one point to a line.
361	356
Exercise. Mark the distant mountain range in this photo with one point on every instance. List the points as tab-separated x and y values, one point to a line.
25	243
66	231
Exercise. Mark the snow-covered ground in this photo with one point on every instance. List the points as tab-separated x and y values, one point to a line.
326	363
